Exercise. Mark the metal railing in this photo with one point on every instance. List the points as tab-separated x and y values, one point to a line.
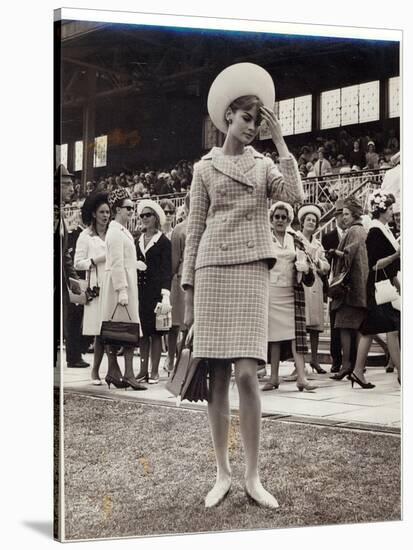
323	191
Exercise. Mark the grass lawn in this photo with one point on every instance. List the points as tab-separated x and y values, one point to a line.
134	470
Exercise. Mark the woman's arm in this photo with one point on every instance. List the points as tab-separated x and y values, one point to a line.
195	228
385	262
82	260
114	244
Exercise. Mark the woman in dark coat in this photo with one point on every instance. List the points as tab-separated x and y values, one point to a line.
154	285
384	263
351	306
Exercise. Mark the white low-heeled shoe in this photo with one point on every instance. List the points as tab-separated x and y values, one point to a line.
212	499
267	501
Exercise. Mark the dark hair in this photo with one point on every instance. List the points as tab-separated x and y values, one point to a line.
247	102
376	212
352	204
316	217
91	204
166	202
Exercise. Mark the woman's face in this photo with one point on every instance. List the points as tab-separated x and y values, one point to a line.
126	210
102	215
243	125
280	220
170	214
348	217
148	218
310	223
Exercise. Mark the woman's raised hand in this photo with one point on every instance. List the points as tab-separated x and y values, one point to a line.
275	129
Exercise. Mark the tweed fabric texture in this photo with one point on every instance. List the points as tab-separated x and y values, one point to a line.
228	219
231	311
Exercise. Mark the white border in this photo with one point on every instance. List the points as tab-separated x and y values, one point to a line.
200	22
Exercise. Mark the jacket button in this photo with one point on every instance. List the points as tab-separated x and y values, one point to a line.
224	246
250	190
249	217
223	192
224	220
250	244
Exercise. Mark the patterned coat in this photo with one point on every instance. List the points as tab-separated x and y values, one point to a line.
228	219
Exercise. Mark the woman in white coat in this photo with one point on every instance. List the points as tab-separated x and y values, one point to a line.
120	285
90	257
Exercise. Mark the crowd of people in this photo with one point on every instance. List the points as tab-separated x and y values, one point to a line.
317	158
252	282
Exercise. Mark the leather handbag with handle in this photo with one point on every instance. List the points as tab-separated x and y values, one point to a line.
189	378
385	292
120	333
338	286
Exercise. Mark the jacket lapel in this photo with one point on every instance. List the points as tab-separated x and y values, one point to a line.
240	171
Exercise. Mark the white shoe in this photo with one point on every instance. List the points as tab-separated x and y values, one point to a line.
218	493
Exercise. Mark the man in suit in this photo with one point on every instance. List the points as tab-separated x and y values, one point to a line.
65	276
322	167
330	243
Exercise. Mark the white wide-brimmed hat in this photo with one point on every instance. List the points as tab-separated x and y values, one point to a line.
149	203
236	81
282	205
309	209
395	159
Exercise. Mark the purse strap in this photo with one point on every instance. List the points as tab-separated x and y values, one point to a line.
117	308
377	270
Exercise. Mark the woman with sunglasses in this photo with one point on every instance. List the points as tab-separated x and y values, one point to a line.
119	290
154	283
228	254
169	210
286	319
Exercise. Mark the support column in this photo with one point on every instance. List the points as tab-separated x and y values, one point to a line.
89	116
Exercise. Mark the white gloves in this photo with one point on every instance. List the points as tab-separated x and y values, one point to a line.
123	297
99	259
164	307
301	264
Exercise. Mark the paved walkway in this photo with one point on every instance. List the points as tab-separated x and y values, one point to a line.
334	403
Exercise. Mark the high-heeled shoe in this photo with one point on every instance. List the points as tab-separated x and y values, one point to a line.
134	384
142	377
268	386
363	385
119	383
301	386
316	367
341	374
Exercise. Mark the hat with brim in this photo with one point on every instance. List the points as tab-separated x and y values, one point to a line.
309	209
237	81
63	173
284	206
149	203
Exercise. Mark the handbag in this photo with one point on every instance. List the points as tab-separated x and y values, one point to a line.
163	322
120	333
339	285
189	378
385	292
78	299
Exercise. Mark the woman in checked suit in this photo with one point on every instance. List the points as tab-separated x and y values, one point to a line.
228	255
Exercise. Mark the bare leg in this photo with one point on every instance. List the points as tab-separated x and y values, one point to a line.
363	349
113	366
219	421
302	381
172	340
275	363
250	425
156	351
345	336
144	356
394	349
128	357
97	357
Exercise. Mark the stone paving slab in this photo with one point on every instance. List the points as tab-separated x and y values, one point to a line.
333	403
